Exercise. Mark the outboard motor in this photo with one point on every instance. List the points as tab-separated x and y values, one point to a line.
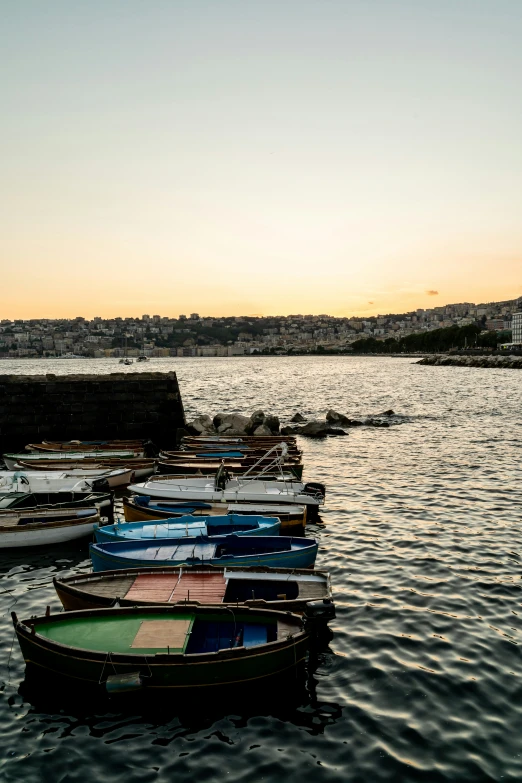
320	611
150	449
100	485
317	615
314	488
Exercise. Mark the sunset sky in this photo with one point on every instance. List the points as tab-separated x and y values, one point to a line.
236	157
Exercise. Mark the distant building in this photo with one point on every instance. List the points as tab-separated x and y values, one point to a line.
495	324
516	328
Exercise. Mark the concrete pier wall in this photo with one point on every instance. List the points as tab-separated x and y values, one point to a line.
89	407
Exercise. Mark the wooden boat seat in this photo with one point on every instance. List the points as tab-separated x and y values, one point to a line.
162	634
312	589
116	588
162	588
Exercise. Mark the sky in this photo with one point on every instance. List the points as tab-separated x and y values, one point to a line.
239	157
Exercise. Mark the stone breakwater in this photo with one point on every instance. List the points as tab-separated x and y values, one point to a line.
89	407
504	362
261	424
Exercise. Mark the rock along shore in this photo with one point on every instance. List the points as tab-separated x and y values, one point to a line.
504	362
263	425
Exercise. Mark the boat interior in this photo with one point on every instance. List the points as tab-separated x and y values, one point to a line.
186	632
228	586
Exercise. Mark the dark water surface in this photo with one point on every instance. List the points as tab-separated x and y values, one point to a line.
422	534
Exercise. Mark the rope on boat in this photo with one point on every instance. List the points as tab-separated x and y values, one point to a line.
107	658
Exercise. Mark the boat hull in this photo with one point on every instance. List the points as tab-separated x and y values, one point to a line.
113	556
98	591
175	671
186	526
211	495
41	536
55	500
291	517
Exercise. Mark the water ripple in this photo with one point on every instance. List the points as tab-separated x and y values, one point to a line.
422	678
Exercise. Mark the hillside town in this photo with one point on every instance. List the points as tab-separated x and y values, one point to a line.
195	335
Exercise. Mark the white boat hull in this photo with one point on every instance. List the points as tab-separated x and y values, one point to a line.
257	492
46	537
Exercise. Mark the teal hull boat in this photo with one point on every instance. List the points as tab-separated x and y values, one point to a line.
233	550
181	527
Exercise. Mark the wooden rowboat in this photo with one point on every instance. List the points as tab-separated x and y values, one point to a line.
13	459
139	467
281	588
141	508
171	647
176	528
47	527
54	500
272	551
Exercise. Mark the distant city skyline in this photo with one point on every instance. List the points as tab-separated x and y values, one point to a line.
347	157
434	305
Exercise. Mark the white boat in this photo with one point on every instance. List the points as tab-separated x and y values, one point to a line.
223	489
234	491
39	528
115	478
18	481
11	459
146	468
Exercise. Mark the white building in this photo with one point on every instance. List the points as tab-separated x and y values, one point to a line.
516	328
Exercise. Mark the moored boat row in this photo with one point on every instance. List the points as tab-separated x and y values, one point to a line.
189	590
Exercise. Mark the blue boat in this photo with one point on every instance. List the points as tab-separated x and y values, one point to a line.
233	550
180	527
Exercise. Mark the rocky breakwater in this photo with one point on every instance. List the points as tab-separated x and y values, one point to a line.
262	424
235	424
511	362
335	423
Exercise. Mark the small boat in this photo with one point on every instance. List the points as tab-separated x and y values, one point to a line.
189	526
206	467
141	468
142	358
287	589
54	500
158	647
114	478
245	456
273	551
18	481
141	508
233	491
41	528
11	459
129	448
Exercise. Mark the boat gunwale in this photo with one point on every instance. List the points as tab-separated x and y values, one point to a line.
69	585
92	519
25	628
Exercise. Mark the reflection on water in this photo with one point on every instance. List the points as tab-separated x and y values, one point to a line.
421	532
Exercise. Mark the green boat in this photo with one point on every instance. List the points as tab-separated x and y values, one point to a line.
172	647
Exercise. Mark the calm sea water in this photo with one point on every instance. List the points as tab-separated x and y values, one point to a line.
422	535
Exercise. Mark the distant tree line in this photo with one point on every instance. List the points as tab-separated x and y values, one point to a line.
435	341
